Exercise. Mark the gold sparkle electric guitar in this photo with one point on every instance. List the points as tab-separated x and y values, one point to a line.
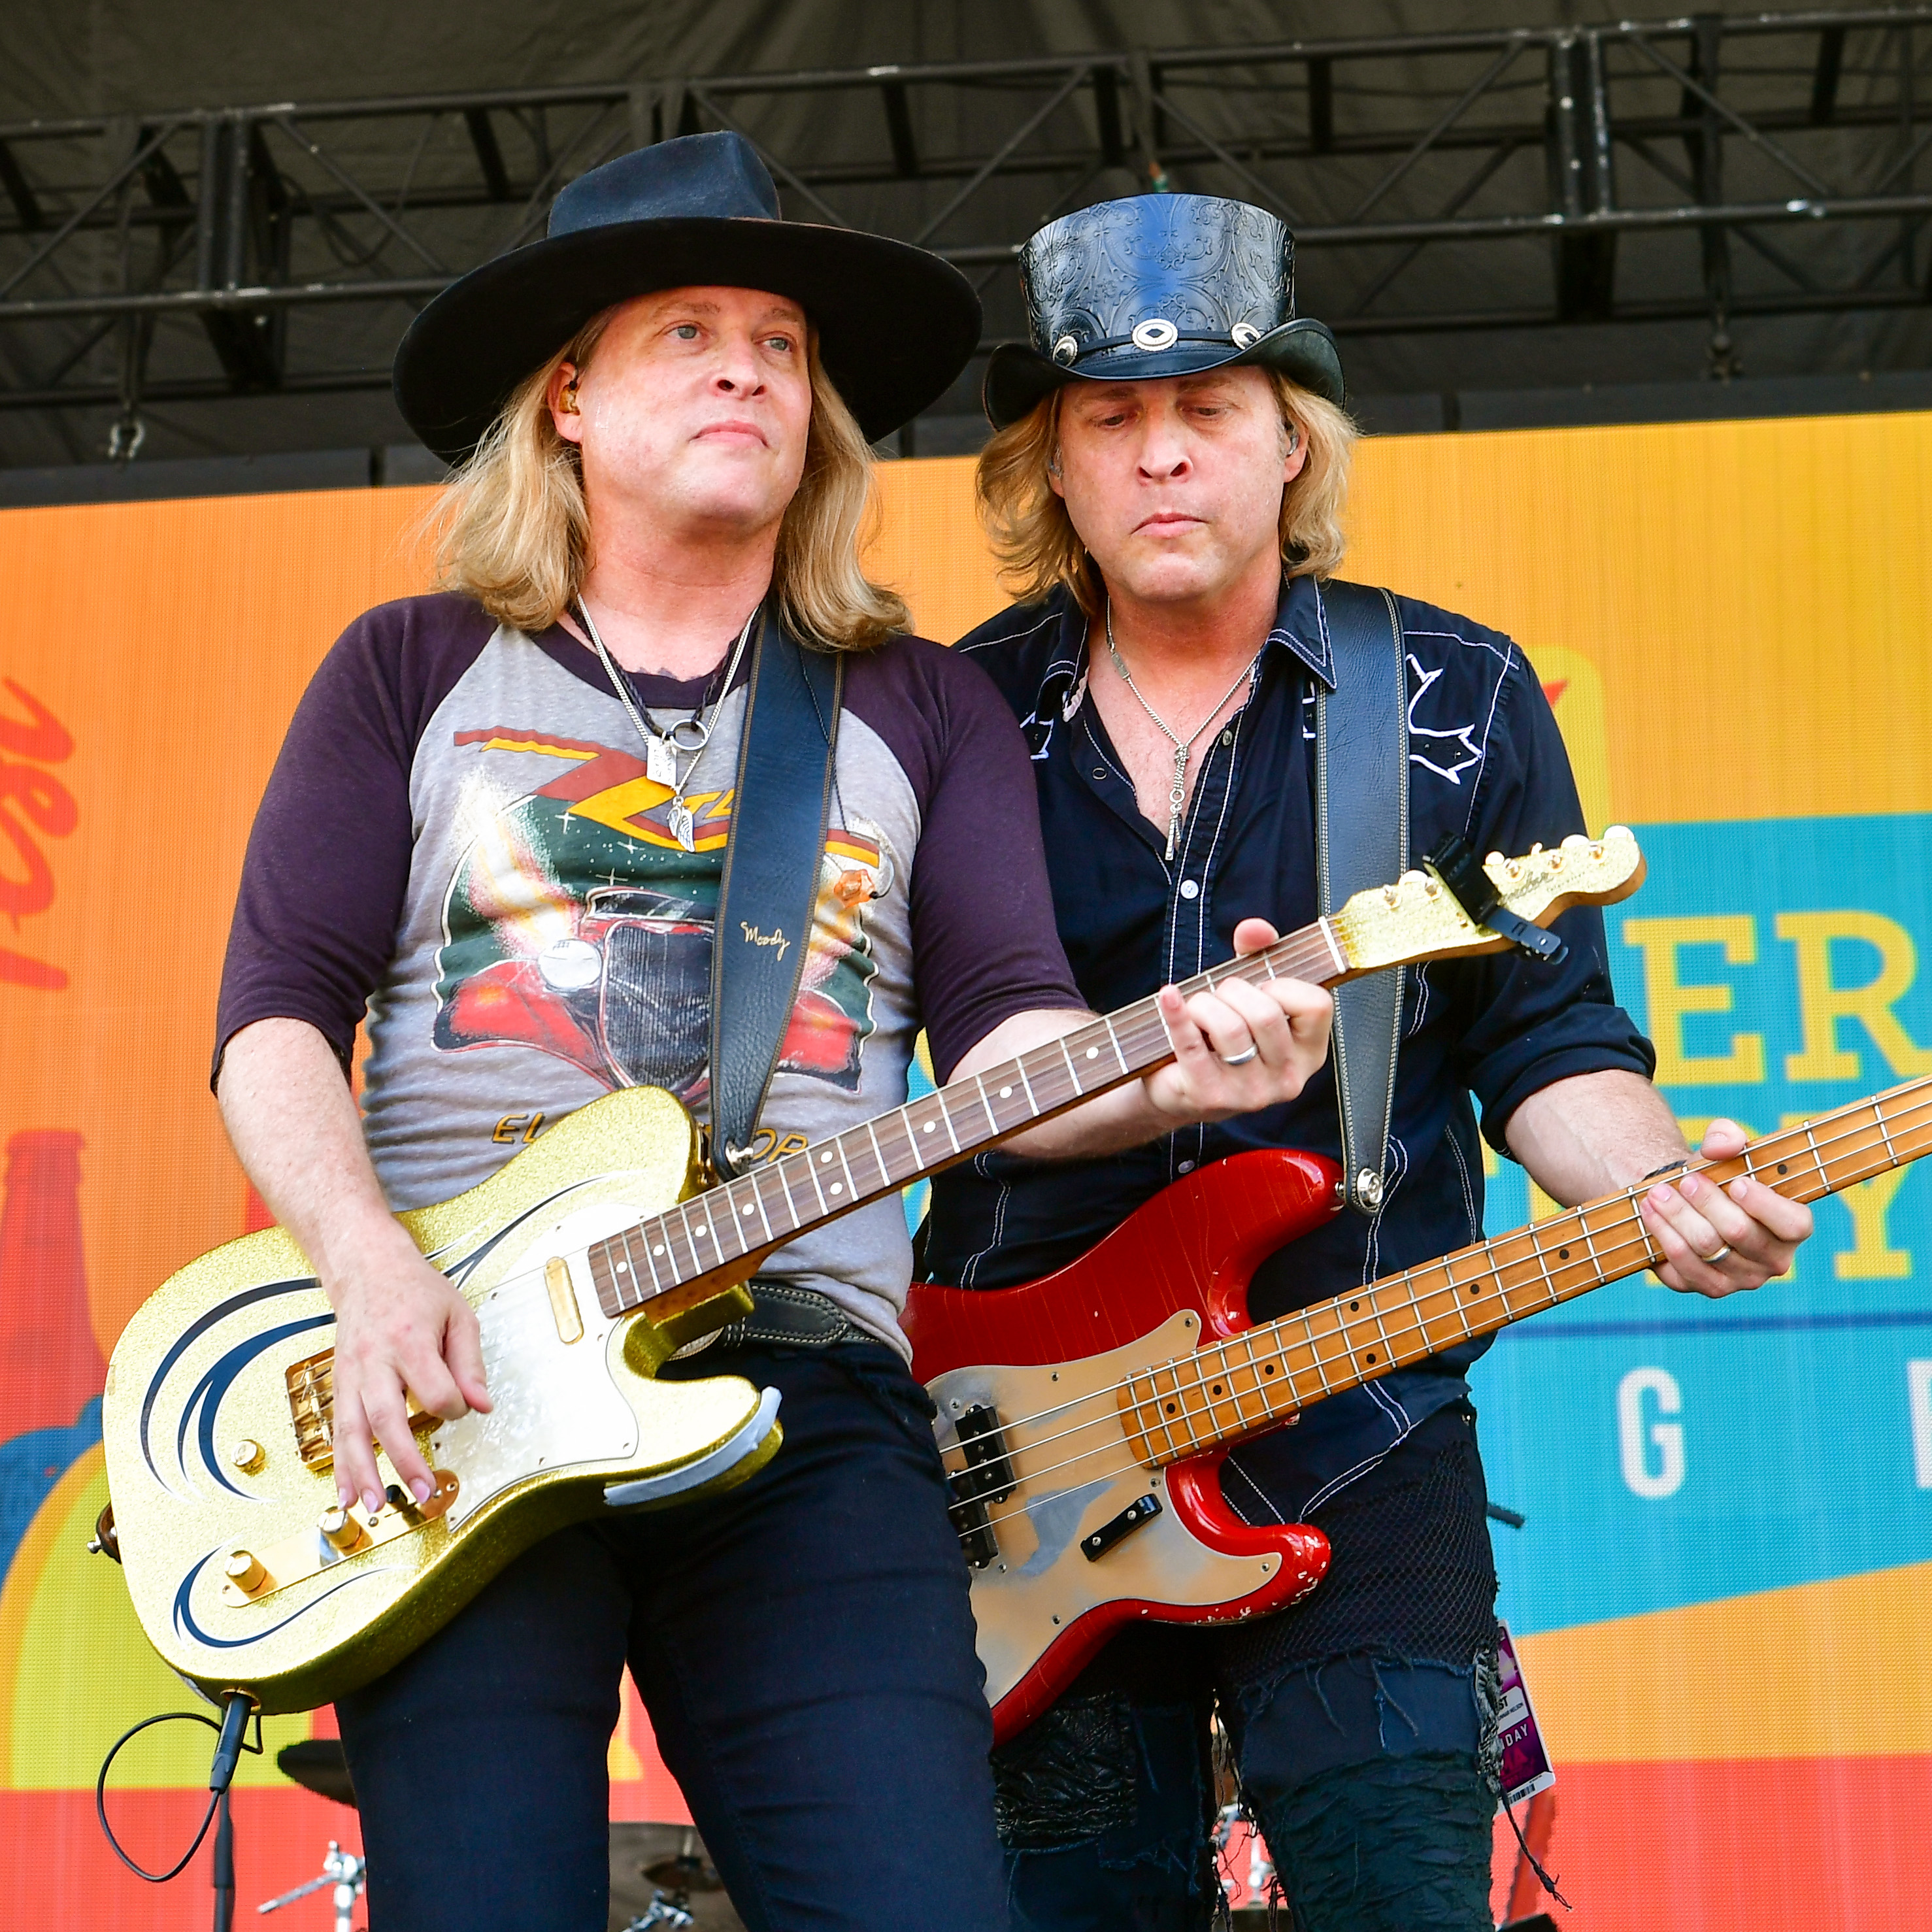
590	1259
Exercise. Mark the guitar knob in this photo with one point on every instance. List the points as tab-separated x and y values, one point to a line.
246	1457
340	1530
244	1569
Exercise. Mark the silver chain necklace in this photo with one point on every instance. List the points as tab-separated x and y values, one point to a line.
692	735
1177	795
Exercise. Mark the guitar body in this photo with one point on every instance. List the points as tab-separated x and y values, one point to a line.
204	1435
1047	1360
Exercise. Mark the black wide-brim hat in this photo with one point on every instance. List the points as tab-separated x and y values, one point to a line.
896	324
1158	285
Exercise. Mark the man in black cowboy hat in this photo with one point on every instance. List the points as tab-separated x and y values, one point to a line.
1201	697
499	824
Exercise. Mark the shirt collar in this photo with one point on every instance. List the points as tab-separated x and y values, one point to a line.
1300	626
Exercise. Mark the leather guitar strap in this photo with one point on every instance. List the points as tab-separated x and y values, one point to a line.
1361	794
769	890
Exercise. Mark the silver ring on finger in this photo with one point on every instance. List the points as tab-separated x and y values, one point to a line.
1238	1059
1711	1261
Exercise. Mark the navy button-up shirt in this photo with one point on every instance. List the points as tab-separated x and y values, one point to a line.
1485	761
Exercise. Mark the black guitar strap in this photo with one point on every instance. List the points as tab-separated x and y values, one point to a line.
1361	794
769	889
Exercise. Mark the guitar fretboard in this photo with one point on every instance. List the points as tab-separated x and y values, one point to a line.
1259	1377
781	1199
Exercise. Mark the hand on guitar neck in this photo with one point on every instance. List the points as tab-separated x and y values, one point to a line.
1236	1048
1596	1133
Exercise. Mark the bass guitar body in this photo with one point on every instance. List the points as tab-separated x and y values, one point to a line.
1070	1533
217	1419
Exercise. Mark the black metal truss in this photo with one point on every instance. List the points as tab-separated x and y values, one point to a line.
1706	167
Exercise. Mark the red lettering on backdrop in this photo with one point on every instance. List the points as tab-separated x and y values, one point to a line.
50	1364
32	801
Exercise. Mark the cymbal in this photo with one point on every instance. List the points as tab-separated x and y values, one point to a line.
318	1765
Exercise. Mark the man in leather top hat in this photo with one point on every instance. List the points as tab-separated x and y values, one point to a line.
1165	486
499	824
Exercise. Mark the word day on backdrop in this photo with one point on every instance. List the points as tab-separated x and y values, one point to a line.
1720	1586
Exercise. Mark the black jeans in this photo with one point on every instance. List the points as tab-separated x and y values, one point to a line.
804	1646
1361	1723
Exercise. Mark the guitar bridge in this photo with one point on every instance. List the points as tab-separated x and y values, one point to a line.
987	1478
311	1386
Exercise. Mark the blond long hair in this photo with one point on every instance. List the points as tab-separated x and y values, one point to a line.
1032	536
511	528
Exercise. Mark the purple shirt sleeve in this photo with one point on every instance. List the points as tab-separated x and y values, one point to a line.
328	859
985	946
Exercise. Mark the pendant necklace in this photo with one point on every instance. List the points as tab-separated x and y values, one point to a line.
1177	795
690	735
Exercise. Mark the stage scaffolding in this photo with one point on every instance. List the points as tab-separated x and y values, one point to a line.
1707	167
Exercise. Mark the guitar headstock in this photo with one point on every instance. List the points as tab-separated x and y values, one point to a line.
1418	918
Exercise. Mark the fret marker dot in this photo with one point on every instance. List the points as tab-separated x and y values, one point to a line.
1353	1305
1781	1167
1562	1254
1169	1407
838	1187
1267	1368
658	1249
928	1127
1006	1093
702	1232
623	1267
1092	1053
746	1209
1372	1354
825	1159
1217	1388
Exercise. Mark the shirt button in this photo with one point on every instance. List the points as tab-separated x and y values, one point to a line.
1189	890
1227	737
1185	1167
1099	771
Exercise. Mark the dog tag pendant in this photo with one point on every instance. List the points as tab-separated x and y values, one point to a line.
660	761
680	817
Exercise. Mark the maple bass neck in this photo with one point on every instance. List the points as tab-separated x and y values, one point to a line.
1260	1377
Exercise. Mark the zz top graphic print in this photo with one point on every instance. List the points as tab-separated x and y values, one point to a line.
575	922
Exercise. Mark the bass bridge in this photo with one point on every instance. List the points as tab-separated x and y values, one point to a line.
988	1478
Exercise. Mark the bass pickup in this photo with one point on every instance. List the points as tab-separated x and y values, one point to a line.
988	1478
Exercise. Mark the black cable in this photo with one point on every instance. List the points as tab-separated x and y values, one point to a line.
230	1732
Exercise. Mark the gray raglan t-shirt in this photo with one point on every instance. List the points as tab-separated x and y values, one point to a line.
461	837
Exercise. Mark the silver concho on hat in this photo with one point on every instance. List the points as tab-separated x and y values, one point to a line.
1155	334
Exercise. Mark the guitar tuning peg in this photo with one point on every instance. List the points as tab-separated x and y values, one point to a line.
1535	849
1575	842
1494	859
1413	878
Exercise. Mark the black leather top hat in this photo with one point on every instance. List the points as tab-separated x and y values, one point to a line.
896	324
1158	285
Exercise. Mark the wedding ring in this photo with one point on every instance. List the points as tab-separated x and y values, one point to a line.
1711	1261
1242	1060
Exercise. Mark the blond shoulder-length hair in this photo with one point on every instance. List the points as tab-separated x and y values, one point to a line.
1039	549
512	528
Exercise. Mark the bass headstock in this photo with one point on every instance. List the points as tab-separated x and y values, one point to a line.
1418	918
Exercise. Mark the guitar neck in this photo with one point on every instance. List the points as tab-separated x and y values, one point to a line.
781	1199
1261	1377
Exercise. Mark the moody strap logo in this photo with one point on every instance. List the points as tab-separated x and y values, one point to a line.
755	937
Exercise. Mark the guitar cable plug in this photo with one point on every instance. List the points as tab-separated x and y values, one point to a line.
231	1733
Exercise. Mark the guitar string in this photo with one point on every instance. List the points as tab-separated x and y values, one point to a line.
1317	940
1142	1017
1421	1327
1447	1262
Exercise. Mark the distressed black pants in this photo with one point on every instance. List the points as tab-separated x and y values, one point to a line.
1361	1723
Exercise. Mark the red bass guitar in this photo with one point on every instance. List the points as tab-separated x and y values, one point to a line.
1084	1417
